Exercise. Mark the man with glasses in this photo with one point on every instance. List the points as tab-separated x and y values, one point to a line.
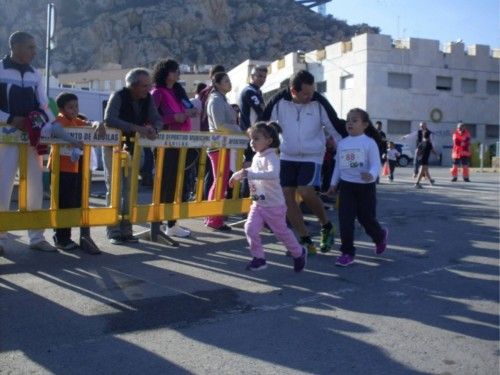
131	110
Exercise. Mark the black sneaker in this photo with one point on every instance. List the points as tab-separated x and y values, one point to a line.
66	245
117	240
89	246
130	239
454	179
256	264
223	228
466	179
300	262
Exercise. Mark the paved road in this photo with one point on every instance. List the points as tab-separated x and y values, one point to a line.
429	305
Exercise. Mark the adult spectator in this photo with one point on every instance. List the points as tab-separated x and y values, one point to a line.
166	74
304	115
21	92
461	152
251	104
382	146
221	118
131	110
196	102
203	95
415	138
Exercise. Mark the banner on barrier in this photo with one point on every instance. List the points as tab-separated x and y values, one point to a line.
10	134
196	140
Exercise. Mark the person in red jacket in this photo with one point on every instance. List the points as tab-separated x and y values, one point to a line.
461	152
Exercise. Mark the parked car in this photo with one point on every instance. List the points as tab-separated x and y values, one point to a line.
406	154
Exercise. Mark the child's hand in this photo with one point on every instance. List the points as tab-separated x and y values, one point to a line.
99	128
332	190
237	176
367	177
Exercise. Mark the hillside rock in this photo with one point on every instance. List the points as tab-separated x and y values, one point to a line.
138	32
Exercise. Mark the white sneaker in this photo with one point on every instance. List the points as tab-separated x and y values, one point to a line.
177	231
43	246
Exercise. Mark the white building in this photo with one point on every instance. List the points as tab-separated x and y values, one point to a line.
404	82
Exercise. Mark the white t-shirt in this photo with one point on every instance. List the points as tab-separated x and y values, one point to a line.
356	155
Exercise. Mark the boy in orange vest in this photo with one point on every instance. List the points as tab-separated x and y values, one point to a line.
70	176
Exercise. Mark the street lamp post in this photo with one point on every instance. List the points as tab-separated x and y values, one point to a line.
51	16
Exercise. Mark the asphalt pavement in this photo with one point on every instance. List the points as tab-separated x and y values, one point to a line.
428	305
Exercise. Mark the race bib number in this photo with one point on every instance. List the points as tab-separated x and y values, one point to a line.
353	158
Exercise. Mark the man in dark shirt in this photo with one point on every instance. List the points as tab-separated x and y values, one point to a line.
131	110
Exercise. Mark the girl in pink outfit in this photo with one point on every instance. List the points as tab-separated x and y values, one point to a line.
269	203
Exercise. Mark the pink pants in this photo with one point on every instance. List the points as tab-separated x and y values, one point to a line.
217	221
275	218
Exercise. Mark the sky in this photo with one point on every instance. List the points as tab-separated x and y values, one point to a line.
473	21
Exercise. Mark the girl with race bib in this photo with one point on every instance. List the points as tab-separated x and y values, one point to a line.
357	169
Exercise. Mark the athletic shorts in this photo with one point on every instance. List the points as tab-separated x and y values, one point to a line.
299	173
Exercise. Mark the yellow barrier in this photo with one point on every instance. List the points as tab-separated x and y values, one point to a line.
55	217
155	211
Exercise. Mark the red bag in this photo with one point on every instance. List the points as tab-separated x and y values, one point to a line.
34	124
385	170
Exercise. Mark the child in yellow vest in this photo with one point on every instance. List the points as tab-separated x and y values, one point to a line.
70	176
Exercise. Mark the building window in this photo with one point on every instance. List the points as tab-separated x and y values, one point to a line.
398	126
472	129
118	84
469	86
321	87
399	80
347	82
444	83
492	131
107	85
492	87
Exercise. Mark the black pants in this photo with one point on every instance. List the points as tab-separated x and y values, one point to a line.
392	167
70	196
416	164
169	177
357	201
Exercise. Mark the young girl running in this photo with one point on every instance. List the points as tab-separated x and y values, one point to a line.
358	166
269	202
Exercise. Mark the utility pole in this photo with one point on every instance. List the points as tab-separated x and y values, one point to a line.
49	43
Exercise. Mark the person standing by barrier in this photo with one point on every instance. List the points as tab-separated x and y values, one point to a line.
221	117
268	205
70	176
461	152
252	106
132	111
304	116
21	93
358	165
204	127
165	74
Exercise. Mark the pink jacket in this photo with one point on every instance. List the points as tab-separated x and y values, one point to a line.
168	106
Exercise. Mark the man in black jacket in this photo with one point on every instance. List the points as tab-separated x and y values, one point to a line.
131	110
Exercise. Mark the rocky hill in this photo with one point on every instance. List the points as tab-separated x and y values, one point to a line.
138	32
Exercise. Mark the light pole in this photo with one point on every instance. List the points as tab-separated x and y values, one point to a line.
49	42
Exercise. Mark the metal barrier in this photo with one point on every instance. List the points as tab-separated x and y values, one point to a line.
151	212
156	211
54	217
